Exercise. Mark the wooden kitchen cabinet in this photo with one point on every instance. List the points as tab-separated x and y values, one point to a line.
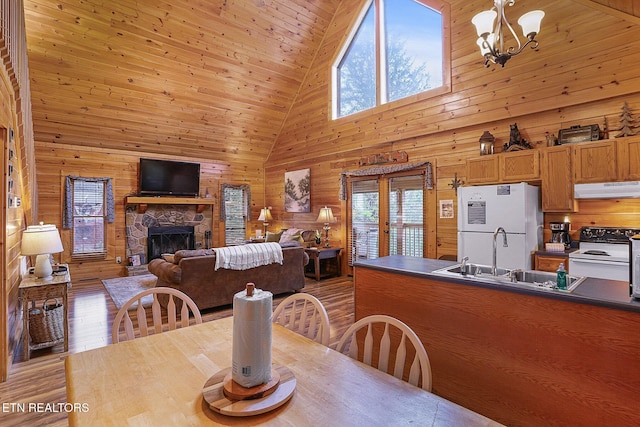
557	179
628	158
517	166
483	170
550	262
595	161
520	166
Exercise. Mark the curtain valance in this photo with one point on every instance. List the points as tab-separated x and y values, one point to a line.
385	170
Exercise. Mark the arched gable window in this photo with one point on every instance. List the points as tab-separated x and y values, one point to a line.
397	49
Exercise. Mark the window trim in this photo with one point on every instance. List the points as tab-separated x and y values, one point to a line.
438	5
66	233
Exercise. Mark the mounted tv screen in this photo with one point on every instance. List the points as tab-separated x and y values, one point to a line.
169	178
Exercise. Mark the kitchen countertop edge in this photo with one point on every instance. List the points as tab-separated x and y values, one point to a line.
605	293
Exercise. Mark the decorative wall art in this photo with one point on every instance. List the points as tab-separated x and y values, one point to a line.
446	209
297	191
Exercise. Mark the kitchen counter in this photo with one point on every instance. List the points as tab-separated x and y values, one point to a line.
520	356
606	293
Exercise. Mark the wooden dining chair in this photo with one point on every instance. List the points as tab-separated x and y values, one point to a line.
123	318
420	366
303	313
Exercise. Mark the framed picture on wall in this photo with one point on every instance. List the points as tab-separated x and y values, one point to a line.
297	191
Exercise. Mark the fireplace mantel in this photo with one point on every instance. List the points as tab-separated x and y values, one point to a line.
143	202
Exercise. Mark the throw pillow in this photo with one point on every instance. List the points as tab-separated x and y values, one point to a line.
273	237
168	258
291	235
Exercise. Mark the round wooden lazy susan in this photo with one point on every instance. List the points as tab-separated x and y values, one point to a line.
227	397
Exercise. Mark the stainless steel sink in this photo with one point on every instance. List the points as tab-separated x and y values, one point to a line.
531	279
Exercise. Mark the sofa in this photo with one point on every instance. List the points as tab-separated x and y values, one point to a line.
193	272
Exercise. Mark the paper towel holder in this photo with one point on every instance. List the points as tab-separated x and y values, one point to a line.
250	288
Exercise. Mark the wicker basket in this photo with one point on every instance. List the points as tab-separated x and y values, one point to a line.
46	324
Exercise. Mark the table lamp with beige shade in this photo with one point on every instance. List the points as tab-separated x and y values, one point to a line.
265	217
41	240
326	216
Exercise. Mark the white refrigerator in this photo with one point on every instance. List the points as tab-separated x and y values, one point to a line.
514	207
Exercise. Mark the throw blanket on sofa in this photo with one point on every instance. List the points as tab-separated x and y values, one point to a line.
249	256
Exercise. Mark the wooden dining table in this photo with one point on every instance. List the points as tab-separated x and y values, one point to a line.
158	381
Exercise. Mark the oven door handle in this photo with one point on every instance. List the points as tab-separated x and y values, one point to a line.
597	261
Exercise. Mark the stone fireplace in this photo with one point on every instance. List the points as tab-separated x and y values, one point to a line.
145	230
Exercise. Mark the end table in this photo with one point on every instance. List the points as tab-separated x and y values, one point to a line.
39	289
316	254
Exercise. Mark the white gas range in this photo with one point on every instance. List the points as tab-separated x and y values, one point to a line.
603	253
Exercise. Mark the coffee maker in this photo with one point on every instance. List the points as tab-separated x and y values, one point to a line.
560	233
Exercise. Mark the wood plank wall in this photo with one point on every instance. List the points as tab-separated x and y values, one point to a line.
15	115
55	162
581	74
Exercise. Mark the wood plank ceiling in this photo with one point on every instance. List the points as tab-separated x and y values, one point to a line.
209	79
204	79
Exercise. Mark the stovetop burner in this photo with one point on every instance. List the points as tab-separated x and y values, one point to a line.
596	252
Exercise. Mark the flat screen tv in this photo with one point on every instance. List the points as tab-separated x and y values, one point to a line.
169	178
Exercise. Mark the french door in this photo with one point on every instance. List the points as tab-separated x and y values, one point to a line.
386	216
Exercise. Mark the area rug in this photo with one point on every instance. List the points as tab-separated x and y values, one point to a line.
123	288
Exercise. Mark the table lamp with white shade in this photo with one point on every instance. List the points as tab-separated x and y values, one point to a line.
326	216
41	240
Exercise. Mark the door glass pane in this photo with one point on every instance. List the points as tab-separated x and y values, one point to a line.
406	222
365	214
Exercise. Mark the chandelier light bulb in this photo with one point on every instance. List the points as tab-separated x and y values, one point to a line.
530	23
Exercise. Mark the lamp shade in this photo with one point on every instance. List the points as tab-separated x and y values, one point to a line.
530	22
41	239
265	215
325	215
484	22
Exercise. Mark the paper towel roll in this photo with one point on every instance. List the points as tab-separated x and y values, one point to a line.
251	354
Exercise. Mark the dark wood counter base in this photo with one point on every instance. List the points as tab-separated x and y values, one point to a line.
516	358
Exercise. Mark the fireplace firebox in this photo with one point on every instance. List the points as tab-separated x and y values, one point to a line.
169	239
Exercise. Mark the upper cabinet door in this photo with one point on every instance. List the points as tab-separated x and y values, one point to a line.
629	158
520	166
557	182
595	162
483	170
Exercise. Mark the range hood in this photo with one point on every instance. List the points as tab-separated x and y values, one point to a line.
607	190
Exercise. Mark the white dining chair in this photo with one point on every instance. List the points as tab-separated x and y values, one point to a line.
175	298
420	366
303	313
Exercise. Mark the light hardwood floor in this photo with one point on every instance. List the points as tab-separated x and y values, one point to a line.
41	380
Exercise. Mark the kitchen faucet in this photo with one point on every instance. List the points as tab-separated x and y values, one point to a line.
495	249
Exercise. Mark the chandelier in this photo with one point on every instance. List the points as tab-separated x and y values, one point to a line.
491	39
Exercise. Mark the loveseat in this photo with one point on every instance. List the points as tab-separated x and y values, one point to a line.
193	272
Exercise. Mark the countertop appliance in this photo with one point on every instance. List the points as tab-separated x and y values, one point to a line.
560	233
603	253
634	270
483	209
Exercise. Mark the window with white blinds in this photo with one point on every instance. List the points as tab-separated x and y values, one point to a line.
89	219
236	215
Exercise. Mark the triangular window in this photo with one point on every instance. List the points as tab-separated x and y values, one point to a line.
414	59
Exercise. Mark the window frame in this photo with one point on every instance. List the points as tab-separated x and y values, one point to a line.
81	256
381	81
246	195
